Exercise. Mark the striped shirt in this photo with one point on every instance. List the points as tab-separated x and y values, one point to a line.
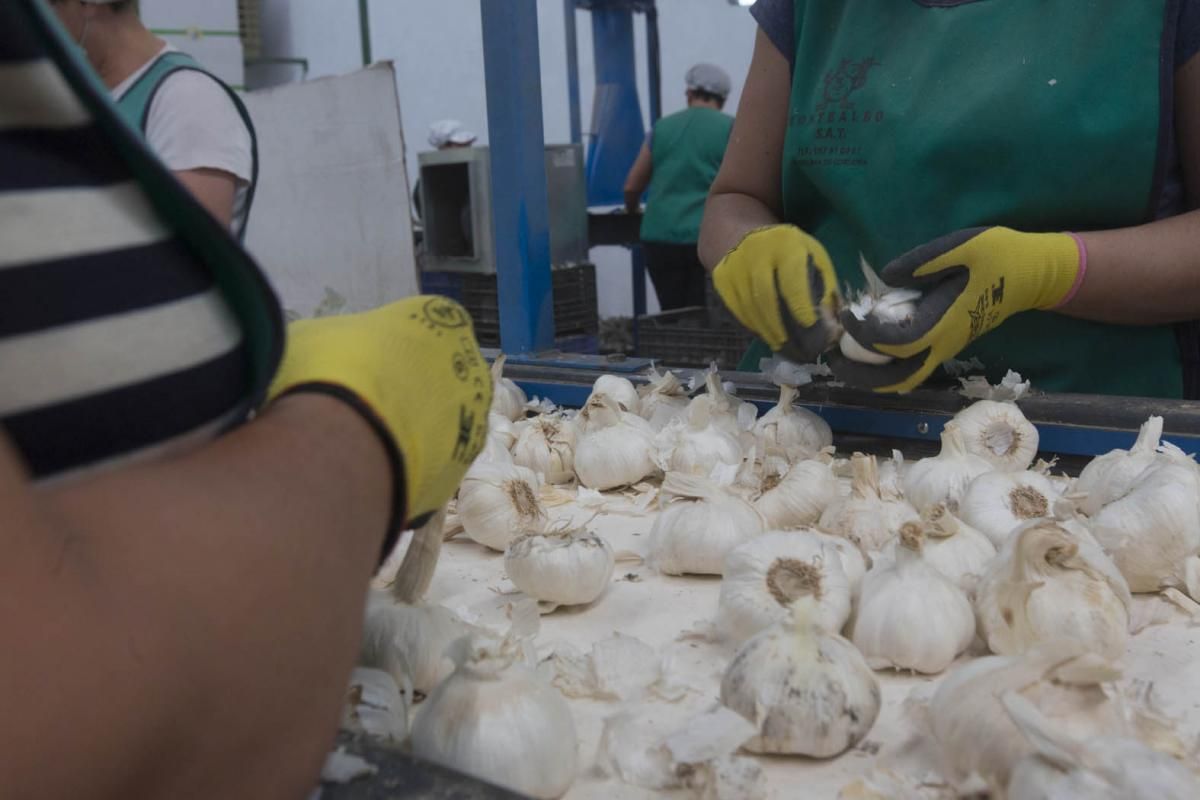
131	324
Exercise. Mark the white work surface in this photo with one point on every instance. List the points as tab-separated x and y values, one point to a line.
660	610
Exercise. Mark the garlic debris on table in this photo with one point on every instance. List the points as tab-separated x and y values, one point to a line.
806	689
507	398
546	445
621	390
878	301
945	477
998	432
910	616
1109	477
493	718
698	445
699	524
560	568
997	503
799	496
613	447
663	400
794	432
1049	585
766	576
499	502
867	517
952	547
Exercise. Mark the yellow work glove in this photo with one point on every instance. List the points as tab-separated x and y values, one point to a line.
415	373
780	283
970	282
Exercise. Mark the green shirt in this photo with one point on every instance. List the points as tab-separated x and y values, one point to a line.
687	150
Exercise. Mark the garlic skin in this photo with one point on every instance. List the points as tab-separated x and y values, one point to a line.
502	429
499	502
998	432
663	400
808	691
794	432
881	302
866	517
854	351
910	616
997	503
945	477
562	568
799	496
375	707
621	390
952	547
409	641
765	577
494	719
698	445
547	446
699	525
1046	585
508	400
614	448
1109	477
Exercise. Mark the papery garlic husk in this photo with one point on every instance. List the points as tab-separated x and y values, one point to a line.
699	524
621	390
499	502
409	641
799	496
1153	532
952	547
910	616
1048	585
881	302
1109	477
508	400
945	477
867	517
997	503
767	575
998	432
699	445
375	707
494	719
807	690
663	400
547	446
562	568
891	475
613	448
795	432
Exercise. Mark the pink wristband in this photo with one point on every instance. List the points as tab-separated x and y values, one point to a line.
1083	258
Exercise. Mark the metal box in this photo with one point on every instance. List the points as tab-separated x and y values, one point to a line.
456	208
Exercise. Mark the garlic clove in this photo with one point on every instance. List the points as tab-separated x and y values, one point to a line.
566	567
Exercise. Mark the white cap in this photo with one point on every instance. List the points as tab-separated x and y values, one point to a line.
709	78
449	131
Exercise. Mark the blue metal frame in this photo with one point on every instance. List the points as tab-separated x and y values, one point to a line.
573	102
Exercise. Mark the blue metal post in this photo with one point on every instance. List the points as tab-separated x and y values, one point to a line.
617	129
654	57
512	74
638	258
573	72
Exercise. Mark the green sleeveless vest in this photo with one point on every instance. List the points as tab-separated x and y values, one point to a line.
687	148
134	108
909	121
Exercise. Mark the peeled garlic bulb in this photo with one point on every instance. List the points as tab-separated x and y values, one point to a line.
494	719
499	502
794	432
547	446
1109	477
799	496
997	503
621	390
563	568
614	448
698	527
409	641
1048	585
766	576
806	689
866	517
663	400
910	616
698	445
952	547
507	398
945	477
998	432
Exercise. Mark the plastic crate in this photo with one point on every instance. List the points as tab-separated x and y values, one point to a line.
688	337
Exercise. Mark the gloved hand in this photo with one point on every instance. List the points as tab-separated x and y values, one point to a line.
415	373
780	283
971	281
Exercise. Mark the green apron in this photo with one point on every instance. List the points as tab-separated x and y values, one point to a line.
908	122
687	149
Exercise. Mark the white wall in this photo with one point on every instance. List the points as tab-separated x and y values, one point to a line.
437	47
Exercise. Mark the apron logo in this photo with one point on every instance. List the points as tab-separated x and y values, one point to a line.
848	78
831	126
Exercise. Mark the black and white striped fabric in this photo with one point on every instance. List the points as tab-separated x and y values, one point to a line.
130	325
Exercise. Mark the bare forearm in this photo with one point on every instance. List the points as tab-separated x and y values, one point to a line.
633	201
727	219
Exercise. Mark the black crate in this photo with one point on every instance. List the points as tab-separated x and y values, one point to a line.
688	337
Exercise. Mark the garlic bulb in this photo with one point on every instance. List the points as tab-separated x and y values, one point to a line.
794	432
952	547
547	446
499	502
409	641
799	496
507	398
1047	585
866	517
881	302
699	525
614	447
998	432
621	390
729	413
375	707
807	690
945	477
663	400
997	503
562	568
493	718
764	578
891	475
910	616
698	445
501	428
1109	477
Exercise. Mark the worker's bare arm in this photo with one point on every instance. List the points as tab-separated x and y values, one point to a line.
214	188
186	628
747	192
638	179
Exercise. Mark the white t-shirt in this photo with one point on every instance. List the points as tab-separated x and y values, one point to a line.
193	124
